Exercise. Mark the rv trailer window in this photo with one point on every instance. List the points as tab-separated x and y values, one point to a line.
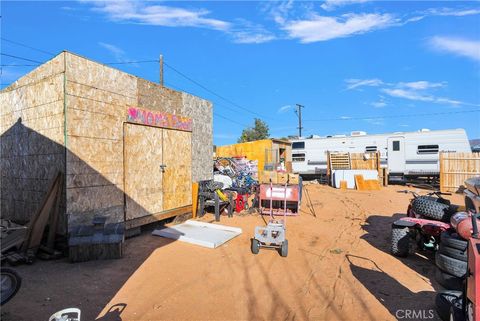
396	145
298	145
427	149
298	157
369	149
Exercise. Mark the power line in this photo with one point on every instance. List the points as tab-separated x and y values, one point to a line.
19	65
213	92
394	116
27	46
215	113
21	58
129	62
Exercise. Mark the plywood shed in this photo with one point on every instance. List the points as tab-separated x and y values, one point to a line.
268	152
130	149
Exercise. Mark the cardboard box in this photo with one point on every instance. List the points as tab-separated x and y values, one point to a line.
293	178
282	178
267	175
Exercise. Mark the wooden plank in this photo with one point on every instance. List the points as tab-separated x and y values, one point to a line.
343	184
37	225
194	199
143	174
177	177
360	183
139	221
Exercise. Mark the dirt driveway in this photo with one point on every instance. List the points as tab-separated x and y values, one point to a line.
338	268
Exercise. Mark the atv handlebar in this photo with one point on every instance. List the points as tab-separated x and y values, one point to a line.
415	195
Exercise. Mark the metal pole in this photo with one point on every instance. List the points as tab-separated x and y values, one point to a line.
161	70
299	108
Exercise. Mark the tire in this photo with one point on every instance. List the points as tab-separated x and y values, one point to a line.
400	244
448	281
255	246
453	240
450	265
10	284
284	249
444	301
433	209
453	252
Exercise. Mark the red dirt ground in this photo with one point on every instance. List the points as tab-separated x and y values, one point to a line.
338	268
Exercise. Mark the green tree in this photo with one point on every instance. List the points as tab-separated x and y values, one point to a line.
258	131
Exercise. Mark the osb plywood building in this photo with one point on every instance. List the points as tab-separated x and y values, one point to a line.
130	149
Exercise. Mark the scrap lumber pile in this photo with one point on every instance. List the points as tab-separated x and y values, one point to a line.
21	244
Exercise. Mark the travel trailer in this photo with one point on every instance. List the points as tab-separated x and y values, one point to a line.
403	153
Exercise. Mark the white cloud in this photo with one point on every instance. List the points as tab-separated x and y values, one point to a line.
407	94
345	117
461	47
452	12
333	4
420	95
414	90
158	15
421	85
117	52
248	32
323	28
355	83
379	104
284	109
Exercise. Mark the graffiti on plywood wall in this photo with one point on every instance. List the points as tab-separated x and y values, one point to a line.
158	119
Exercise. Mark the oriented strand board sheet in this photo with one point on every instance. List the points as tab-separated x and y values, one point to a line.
143	174
349	176
200	233
177	178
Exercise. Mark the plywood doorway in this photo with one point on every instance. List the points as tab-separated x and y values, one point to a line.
177	178
143	174
158	170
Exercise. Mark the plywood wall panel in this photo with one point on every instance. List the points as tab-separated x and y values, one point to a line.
95	75
177	178
52	67
32	137
88	98
201	111
95	125
143	174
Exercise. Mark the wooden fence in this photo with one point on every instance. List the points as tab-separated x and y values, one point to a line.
455	168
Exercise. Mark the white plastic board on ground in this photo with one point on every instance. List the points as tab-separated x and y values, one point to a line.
349	176
200	233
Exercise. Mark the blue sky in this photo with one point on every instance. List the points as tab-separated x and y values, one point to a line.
354	65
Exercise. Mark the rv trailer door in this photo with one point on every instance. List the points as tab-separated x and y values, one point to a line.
396	155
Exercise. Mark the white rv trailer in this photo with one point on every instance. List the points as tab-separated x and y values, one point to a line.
404	153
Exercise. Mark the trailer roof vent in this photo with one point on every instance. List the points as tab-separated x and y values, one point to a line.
358	133
424	130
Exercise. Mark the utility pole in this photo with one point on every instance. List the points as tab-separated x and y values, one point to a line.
298	111
161	70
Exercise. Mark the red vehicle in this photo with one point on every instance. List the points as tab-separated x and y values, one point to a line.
427	217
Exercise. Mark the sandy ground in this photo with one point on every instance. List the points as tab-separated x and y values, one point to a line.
338	268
